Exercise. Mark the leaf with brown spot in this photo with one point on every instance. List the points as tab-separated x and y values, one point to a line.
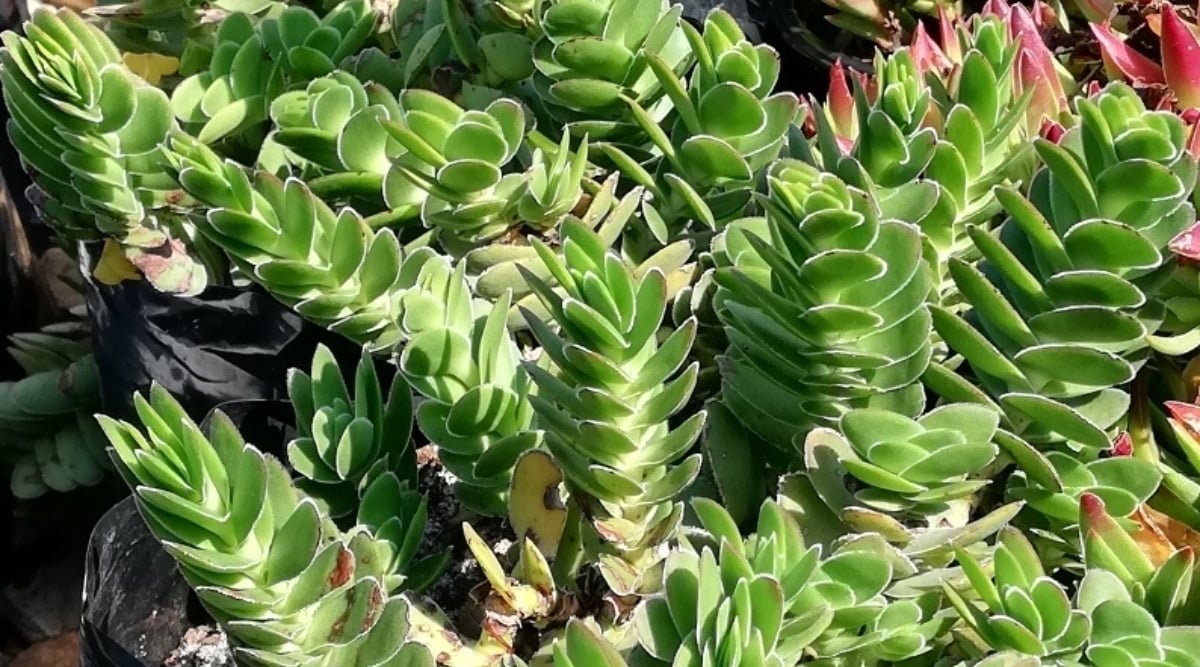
534	507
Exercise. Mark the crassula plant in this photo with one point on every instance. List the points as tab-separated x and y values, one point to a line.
715	374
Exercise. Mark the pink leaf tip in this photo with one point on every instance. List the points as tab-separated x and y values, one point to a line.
1123	446
1122	61
840	101
948	35
1052	131
1186	414
1181	58
1187	245
999	8
1092	508
927	54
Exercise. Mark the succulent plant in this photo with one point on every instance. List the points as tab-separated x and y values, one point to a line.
345	442
592	52
91	134
46	428
253	63
329	266
921	467
771	600
1053	483
1061	308
1120	569
451	169
1175	67
286	584
928	326
1024	611
727	127
367	288
1124	633
333	128
958	123
824	307
606	404
501	267
478	411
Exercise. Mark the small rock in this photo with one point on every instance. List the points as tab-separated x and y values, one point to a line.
62	651
201	646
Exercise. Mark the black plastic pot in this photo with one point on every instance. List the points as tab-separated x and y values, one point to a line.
227	344
136	604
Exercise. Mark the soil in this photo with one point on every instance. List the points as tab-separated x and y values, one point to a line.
452	592
203	646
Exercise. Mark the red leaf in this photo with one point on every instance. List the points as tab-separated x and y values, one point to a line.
948	35
1181	58
927	54
1123	446
1052	131
1187	245
840	101
1122	61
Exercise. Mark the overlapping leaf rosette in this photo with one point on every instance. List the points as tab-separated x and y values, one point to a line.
452	171
285	583
46	427
824	307
331	267
1053	483
91	135
1063	304
606	401
334	270
771	599
1017	608
727	127
930	468
1124	633
917	483
252	63
477	410
346	441
592	53
1168	82
331	134
938	127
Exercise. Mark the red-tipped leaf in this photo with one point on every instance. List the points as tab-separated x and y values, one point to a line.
927	54
948	35
840	102
1181	58
1052	131
1123	62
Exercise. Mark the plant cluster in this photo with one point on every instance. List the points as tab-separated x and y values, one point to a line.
896	376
